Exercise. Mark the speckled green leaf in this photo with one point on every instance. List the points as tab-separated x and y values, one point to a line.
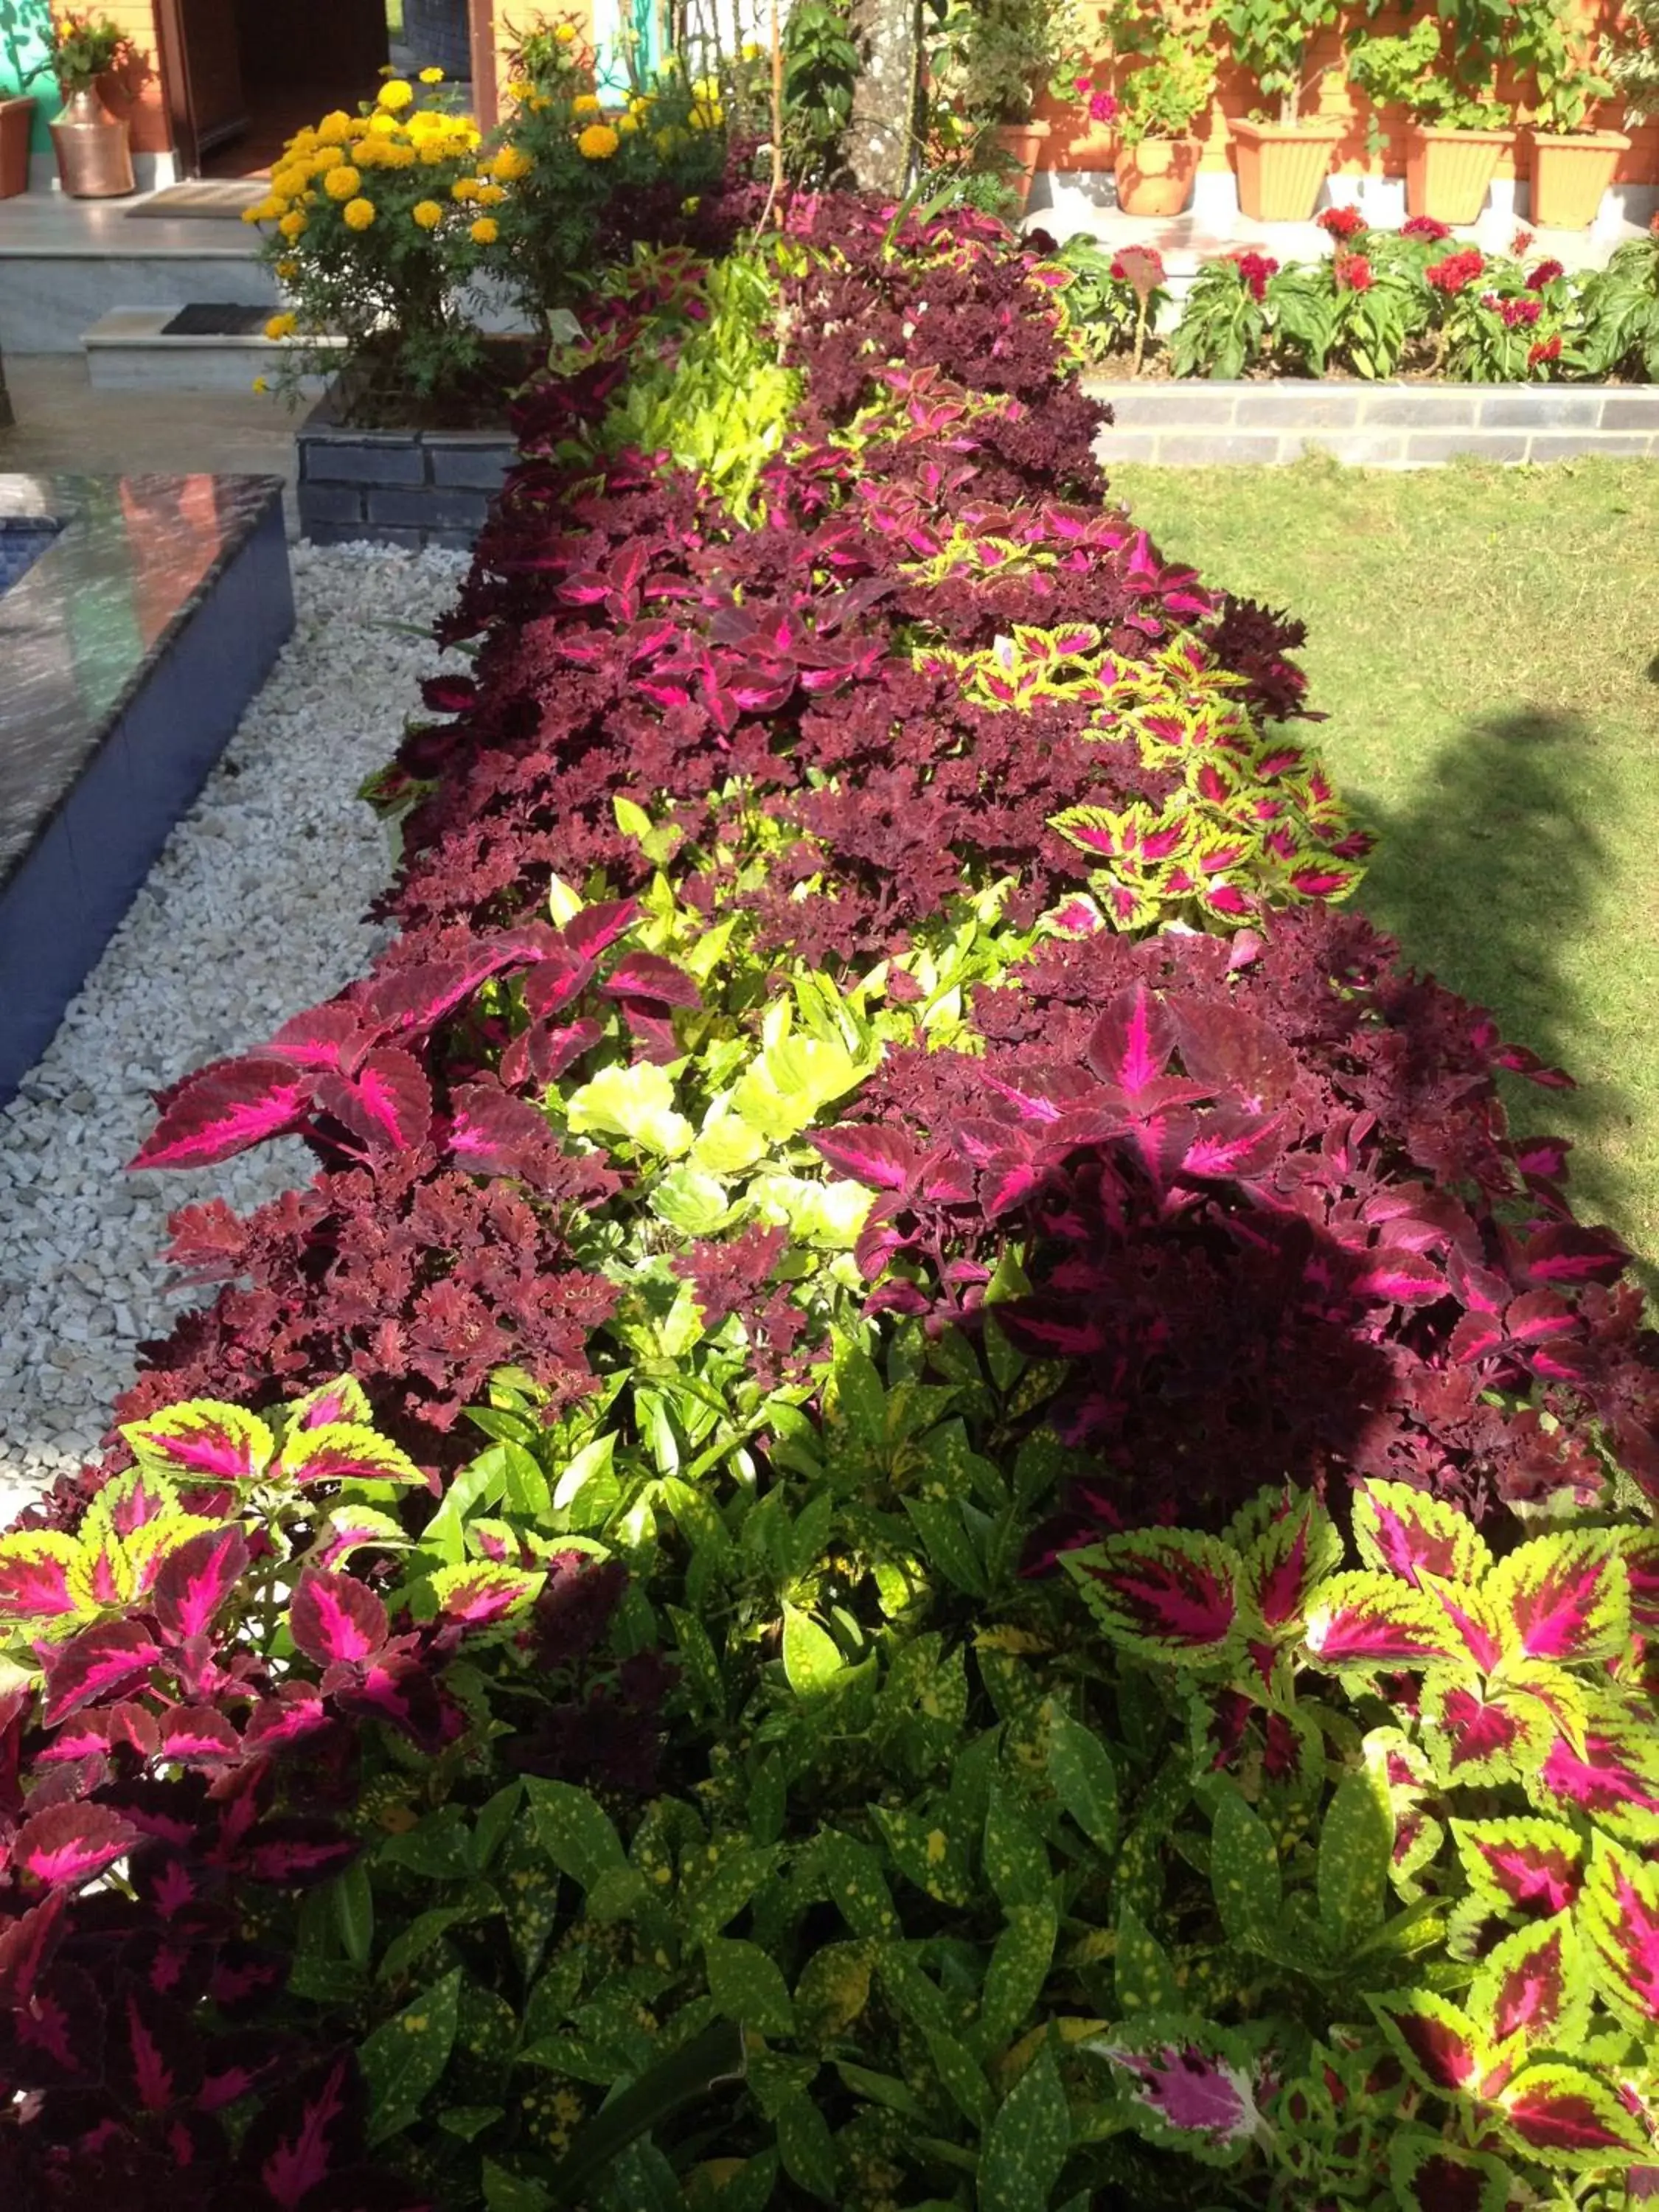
713	1891
1083	1779
807	2149
1352	1874
927	1856
1027	2141
855	1398
575	1834
884	2089
353	1912
960	2073
1019	1967
833	1990
486	2039
1243	1873
919	1999
855	1883
1145	1979
402	2060
529	1890
946	1543
512	2192
813	1660
747	1985
1016	1856
699	1661
414	1942
495	1818
467	2121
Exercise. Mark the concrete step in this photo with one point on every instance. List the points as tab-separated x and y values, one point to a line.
48	301
129	349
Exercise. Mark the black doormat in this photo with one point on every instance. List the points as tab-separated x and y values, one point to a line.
208	321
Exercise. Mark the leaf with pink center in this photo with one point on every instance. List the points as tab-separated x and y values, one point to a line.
1608	1770
1619	1917
1436	2040
196	1735
337	1620
881	1159
197	1580
1288	1546
27	1943
479	1593
1567	2116
37	1567
494	1133
1429	2175
595	927
1640	1548
1407	1532
1362	1619
1191	2087
204	1439
1565	1596
1535	1985
648	976
387	1104
309	2133
344	1399
1166	1594
1473	1617
1522	1865
296	1710
225	1110
103	1661
351	1528
1483	1732
344	1451
68	1844
330	1035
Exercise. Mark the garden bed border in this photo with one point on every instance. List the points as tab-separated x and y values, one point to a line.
409	488
1194	422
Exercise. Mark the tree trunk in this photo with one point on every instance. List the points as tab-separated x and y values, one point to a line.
879	139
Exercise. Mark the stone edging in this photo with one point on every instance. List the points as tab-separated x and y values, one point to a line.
398	487
1191	422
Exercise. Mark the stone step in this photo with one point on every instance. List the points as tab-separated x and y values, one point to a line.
131	350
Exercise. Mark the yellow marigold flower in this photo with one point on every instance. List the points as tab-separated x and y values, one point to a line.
752	51
327	157
485	231
301	142
394	156
566	34
491	195
260	385
628	125
428	214
252	214
268	210
382	126
585	103
358	214
288	269
280	326
292	224
705	89
464	188
397	92
432	77
706	116
598	142
342	184
519	88
337	123
538	103
511	163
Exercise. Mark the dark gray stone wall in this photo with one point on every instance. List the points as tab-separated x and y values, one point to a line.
397	487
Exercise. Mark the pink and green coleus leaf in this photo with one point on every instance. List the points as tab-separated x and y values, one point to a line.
37	1577
1288	1544
1188	2085
344	1399
1566	2116
1406	1532
351	1528
343	1451
1363	1618
1405	1772
1428	2174
1164	1594
1641	1553
480	1593
1565	1597
1608	1770
205	1440
1436	2042
1521	1864
1619	1915
1483	1732
1534	1985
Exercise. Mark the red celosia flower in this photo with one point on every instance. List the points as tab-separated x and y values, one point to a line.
1518	313
1342	222
1149	268
1548	348
1082	84
1353	273
1255	269
1457	271
1546	273
1103	108
1424	225
1521	243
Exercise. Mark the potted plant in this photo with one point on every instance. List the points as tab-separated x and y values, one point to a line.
1282	162
1630	55
993	57
94	157
1456	132
1572	165
1160	101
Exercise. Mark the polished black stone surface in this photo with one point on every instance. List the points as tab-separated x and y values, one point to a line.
128	651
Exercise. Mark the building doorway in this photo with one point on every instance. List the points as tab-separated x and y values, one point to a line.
242	76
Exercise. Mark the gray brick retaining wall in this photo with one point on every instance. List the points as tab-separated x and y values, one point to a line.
397	487
1190	423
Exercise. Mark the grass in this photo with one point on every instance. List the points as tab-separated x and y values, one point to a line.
1486	642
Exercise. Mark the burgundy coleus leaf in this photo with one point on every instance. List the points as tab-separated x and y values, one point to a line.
493	1132
307	2135
647	975
596	927
1166	1594
553	982
153	2056
233	2066
399	1690
27	1944
224	1110
196	1581
880	1159
1619	1917
296	1709
294	1852
1401	1277
1537	1330
1564	1253
337	1620
56	2040
1132	1043
333	1035
407	1000
103	1661
196	1735
387	1104
1233	1143
68	1844
542	1053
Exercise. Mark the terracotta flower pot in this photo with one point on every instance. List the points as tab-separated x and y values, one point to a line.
1281	165
1448	173
1570	174
16	117
1156	177
1024	145
94	157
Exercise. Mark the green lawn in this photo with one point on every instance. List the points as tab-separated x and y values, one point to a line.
1486	642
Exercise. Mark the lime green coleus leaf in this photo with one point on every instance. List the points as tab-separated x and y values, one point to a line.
694	1202
636	1103
792	1082
402	2060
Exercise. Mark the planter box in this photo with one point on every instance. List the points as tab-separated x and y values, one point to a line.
1570	176
1449	173
1281	165
396	487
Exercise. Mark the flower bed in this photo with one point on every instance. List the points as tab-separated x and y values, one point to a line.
1413	302
1056	1569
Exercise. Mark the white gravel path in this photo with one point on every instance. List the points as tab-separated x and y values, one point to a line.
253	910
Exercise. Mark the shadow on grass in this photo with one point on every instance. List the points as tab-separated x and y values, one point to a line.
1487	878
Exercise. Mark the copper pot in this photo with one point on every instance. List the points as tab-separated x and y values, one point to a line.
94	159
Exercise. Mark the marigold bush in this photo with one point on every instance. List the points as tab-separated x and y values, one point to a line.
1052	1608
